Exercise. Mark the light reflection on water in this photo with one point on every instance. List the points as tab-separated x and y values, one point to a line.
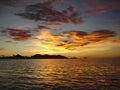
59	74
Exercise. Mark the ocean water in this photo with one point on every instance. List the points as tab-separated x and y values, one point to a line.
59	74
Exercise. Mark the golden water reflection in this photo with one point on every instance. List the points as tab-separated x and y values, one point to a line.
57	74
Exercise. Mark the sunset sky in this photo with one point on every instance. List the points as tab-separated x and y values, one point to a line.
73	28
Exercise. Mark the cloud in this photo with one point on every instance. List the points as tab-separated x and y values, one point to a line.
13	3
68	41
113	19
73	40
21	34
2	49
102	34
22	3
45	12
101	6
98	11
17	34
9	3
117	26
76	33
56	0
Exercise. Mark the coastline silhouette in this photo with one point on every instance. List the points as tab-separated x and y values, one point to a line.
36	56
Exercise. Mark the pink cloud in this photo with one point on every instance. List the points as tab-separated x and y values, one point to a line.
118	25
113	19
101	6
19	35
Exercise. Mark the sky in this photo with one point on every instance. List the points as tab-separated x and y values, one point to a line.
73	28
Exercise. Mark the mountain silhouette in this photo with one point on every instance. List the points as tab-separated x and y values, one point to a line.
36	56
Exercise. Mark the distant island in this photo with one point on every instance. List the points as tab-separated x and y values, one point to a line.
36	56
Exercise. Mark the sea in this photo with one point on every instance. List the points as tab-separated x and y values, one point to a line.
59	74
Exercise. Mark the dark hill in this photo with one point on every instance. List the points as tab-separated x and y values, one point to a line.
36	56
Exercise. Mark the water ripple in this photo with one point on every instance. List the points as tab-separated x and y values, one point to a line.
59	75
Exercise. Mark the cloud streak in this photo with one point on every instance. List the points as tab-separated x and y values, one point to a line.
50	42
101	6
73	40
17	34
117	26
46	36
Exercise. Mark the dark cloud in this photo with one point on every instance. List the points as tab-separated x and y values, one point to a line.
68	39
77	33
56	0
43	27
101	6
60	45
85	43
22	3
104	33
17	34
45	13
8	2
100	35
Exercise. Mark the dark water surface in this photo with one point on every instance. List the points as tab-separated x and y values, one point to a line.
59	74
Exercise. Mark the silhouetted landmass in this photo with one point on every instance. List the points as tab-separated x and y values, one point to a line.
73	58
36	56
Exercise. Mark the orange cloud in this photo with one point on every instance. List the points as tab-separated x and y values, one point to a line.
2	49
73	40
